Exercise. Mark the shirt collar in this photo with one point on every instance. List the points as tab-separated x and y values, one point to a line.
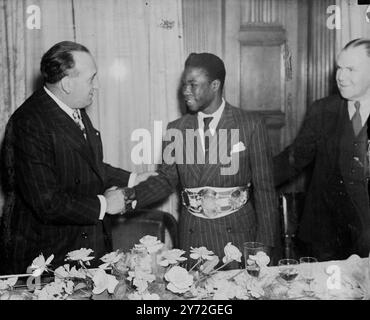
216	117
61	104
364	109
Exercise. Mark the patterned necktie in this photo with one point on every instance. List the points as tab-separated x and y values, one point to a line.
78	120
207	121
356	119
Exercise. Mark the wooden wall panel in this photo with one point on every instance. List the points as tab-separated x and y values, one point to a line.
321	52
203	26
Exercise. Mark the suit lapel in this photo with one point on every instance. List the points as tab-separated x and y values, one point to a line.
334	142
192	149
220	141
93	141
67	128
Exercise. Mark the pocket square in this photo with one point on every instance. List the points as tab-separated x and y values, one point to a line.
238	147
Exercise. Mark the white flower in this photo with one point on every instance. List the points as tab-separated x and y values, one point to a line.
103	281
261	258
231	253
179	279
141	262
150	243
201	253
66	272
171	257
80	255
55	290
10	282
40	265
140	284
140	279
69	285
110	259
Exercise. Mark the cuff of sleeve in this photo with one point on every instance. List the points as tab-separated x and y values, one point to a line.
132	179
103	206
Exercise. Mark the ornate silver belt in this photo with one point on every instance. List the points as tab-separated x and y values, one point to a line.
211	202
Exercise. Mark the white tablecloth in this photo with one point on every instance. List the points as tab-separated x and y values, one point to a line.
345	279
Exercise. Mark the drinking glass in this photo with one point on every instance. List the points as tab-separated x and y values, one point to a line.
306	270
288	269
252	248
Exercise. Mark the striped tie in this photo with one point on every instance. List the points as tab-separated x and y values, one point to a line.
78	120
356	119
207	121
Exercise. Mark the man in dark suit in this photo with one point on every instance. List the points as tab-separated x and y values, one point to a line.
221	162
58	188
334	138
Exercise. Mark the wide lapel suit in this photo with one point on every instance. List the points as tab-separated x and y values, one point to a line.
257	220
58	175
319	143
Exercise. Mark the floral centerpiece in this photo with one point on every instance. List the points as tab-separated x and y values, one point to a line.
148	271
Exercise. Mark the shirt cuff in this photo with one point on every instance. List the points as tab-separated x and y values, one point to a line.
132	179
103	206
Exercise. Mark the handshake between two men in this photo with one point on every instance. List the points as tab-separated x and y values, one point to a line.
120	200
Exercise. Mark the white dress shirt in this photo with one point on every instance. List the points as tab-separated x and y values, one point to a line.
364	109
69	111
213	124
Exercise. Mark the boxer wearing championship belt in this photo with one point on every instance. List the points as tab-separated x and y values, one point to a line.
213	203
226	211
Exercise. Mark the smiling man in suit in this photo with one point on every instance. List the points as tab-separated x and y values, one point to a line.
59	190
334	138
220	204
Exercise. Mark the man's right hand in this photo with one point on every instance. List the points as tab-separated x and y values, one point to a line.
115	201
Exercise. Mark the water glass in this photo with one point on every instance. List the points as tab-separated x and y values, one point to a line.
306	267
288	269
306	270
252	248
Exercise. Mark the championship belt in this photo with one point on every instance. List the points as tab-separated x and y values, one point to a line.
212	203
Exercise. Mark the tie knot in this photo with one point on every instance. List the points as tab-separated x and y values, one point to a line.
357	105
207	121
76	115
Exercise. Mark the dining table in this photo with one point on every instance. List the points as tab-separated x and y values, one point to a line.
347	279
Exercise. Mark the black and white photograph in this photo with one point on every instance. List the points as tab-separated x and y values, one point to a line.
196	151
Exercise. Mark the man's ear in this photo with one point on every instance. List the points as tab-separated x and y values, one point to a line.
215	85
66	84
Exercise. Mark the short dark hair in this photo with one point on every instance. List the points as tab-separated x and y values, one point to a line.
360	42
58	60
210	63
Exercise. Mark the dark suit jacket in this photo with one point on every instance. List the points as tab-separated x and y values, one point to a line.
53	178
318	142
257	221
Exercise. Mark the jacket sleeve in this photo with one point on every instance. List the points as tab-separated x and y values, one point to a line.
157	188
115	176
296	157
